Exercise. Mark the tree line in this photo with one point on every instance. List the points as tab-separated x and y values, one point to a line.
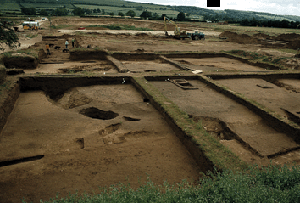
271	23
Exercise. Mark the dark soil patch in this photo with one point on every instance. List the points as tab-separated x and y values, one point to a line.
98	114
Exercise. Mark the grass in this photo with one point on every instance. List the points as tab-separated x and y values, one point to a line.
31	52
270	184
248	29
31	35
292	51
121	27
256	57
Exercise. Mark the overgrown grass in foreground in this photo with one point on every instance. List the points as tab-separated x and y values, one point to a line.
270	184
122	27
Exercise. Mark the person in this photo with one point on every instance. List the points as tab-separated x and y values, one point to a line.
67	43
48	49
73	42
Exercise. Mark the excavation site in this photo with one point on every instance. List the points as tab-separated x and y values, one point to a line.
123	108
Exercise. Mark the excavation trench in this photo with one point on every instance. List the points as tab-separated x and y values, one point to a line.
255	133
120	135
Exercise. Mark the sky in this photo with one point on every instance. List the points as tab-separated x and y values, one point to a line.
279	7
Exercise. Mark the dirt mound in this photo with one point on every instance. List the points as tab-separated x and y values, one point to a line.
72	99
261	36
141	34
234	37
294	44
228	34
288	37
20	61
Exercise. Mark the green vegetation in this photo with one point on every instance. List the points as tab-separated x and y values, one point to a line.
28	11
270	60
121	27
292	51
31	52
7	36
270	184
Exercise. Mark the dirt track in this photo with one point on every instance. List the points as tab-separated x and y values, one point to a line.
132	139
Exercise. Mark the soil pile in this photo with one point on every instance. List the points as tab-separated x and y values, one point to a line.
261	36
234	37
288	37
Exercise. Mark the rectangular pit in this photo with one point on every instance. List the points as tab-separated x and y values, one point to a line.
216	64
280	95
194	60
76	152
244	131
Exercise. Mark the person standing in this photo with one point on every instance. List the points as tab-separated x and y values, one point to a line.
48	49
67	43
73	42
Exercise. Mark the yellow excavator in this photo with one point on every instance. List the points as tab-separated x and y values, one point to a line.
182	34
177	33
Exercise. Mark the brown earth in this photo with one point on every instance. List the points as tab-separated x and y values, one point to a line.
57	148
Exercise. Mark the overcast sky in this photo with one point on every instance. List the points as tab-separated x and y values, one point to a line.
280	7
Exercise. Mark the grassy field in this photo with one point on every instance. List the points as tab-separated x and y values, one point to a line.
120	3
10	6
46	5
116	10
248	29
270	184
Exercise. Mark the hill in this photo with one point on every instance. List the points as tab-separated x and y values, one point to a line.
117	6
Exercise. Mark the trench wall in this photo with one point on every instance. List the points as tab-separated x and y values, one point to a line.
87	54
9	95
24	61
2	73
226	55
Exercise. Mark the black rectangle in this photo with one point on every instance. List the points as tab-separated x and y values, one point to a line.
213	3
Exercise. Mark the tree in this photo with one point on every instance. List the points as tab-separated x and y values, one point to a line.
131	13
155	16
7	36
78	12
28	11
60	12
121	14
43	12
181	16
146	14
111	13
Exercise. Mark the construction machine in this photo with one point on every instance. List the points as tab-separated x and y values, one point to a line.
178	34
30	25
182	34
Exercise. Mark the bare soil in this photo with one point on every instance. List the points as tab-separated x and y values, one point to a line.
51	146
237	127
134	144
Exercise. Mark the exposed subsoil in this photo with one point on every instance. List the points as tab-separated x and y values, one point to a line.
277	99
148	66
237	127
121	137
218	64
99	135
